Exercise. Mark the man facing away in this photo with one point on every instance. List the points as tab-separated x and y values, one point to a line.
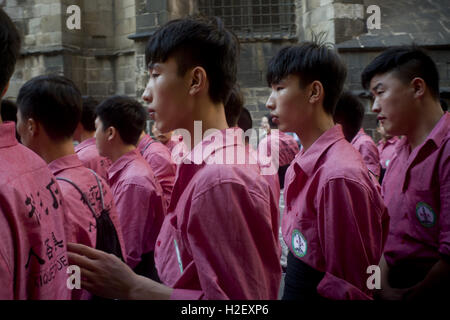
31	207
86	149
49	109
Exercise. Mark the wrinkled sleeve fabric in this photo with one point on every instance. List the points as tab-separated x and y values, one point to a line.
232	245
350	233
165	171
444	219
371	157
6	270
133	207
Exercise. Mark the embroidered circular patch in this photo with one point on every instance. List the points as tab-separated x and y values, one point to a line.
299	244
425	214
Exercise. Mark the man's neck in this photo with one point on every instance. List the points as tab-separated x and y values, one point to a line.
318	126
119	151
55	150
86	135
427	120
213	117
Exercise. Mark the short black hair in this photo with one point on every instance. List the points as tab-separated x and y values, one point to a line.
234	106
407	62
54	101
444	105
125	114
9	48
310	62
349	113
198	41
8	110
245	121
88	115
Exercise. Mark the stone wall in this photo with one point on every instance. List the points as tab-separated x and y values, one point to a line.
106	56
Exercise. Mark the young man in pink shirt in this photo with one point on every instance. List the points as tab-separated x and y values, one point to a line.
404	82
138	196
219	239
86	149
349	113
386	146
334	222
160	160
33	256
49	109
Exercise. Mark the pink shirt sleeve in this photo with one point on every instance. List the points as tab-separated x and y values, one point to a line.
350	238
6	270
223	269
444	219
371	157
137	217
165	170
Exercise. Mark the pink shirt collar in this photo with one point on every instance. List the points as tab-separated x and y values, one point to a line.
215	142
63	163
392	140
359	134
145	141
122	162
84	144
7	134
435	139
308	160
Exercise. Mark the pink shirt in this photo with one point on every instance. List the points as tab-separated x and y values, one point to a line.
139	203
272	179
80	225
159	158
365	145
88	154
174	140
334	218
416	190
33	253
386	150
286	147
219	239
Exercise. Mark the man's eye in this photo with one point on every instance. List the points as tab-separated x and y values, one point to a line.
155	75
279	88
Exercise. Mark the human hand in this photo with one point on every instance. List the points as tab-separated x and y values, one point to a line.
102	274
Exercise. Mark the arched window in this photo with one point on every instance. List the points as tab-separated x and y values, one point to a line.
254	18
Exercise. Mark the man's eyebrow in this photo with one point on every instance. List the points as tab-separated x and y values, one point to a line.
379	84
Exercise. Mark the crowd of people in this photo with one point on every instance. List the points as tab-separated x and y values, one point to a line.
172	217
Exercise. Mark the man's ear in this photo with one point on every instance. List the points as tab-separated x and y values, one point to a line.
33	127
4	90
111	133
419	86
198	80
316	92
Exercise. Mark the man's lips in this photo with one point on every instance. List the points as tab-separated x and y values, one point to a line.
275	120
151	114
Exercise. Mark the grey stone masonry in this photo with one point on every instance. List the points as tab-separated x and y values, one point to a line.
107	56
